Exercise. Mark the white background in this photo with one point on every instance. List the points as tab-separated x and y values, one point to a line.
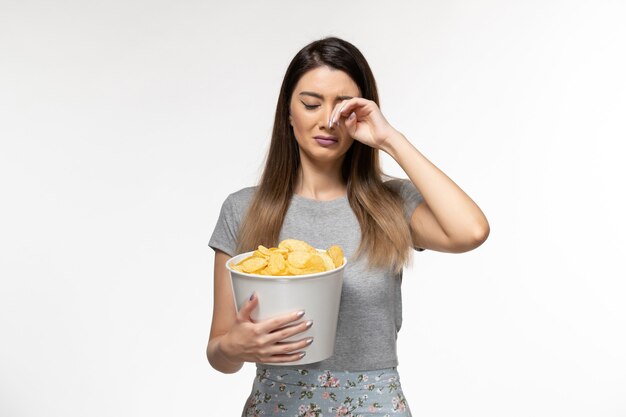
125	124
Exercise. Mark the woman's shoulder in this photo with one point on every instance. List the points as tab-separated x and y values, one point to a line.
243	193
395	183
241	197
405	189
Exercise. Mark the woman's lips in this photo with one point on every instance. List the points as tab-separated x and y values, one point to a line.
325	140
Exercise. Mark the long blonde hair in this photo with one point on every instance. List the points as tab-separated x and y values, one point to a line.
385	237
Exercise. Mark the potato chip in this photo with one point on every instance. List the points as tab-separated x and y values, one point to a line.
336	254
276	264
281	251
328	261
303	271
253	264
259	254
264	250
316	262
296	245
299	259
291	257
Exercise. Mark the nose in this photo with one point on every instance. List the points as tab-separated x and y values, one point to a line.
326	118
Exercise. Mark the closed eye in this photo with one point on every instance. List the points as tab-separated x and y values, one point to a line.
310	107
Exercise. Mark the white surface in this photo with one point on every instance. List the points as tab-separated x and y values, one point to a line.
318	295
124	125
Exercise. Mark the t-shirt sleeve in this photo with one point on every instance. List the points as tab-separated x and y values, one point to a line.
410	195
224	235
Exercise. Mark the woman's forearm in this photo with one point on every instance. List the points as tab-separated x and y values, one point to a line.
218	359
460	218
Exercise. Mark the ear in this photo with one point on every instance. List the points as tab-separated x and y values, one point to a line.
290	120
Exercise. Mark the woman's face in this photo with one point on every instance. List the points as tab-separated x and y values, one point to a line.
315	96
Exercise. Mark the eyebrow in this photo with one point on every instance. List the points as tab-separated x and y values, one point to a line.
312	94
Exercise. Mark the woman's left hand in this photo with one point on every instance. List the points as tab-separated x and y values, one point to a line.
364	121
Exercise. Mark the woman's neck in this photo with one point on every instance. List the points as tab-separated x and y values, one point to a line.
320	182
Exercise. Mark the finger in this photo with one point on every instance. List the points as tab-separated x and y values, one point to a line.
336	110
349	106
340	109
287	348
246	310
288	331
269	325
284	358
350	122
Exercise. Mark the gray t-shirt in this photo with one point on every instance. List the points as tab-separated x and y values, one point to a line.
370	313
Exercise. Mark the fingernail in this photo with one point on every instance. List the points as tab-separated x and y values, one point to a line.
352	116
309	323
302	355
300	313
309	341
252	297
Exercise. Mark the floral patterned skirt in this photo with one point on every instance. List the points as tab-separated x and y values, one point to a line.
317	393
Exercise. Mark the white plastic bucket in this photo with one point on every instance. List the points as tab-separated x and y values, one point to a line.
318	295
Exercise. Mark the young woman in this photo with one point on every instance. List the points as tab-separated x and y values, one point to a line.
322	183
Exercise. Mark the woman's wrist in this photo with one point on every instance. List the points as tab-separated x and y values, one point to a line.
394	144
219	356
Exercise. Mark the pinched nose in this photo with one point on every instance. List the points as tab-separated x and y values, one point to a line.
326	115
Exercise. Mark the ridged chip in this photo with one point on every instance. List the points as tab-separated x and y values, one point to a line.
253	264
276	264
328	261
293	245
336	253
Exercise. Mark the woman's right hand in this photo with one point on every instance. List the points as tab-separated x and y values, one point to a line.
263	341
